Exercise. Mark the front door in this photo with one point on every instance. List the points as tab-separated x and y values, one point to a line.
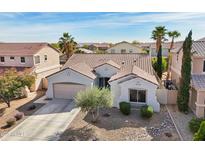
103	82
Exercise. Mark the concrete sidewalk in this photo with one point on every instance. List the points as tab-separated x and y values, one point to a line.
46	124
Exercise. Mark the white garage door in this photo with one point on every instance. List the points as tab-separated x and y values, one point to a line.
67	90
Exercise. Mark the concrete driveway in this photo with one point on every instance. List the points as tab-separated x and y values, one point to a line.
46	124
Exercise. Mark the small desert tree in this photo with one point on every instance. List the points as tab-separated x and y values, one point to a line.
93	99
183	93
11	84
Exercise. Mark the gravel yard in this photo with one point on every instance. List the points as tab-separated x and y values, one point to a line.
182	120
114	126
19	105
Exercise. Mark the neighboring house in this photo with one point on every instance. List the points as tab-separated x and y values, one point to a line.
197	92
39	58
99	46
151	47
64	58
130	78
125	47
85	50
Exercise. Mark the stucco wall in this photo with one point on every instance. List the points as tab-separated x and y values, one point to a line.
52	58
125	46
197	65
154	53
200	104
17	61
41	76
120	91
67	75
106	70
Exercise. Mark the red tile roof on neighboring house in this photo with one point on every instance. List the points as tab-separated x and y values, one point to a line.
198	48
21	49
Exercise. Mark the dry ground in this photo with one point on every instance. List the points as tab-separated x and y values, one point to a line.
20	105
120	127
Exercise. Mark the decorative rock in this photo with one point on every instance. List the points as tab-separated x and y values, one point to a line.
106	115
168	134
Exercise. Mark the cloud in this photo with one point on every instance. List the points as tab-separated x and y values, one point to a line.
24	26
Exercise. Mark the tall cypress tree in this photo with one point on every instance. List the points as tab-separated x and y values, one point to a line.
159	62
183	93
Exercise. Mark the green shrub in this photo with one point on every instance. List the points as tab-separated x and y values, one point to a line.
125	108
146	111
194	124
200	135
164	63
11	122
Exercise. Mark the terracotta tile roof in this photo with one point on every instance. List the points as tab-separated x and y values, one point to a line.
165	45
198	82
110	62
134	70
25	49
142	62
198	48
84	69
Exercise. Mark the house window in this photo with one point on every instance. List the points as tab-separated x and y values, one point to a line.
103	82
37	59
204	66
123	50
112	50
12	58
45	57
130	51
138	96
23	60
2	59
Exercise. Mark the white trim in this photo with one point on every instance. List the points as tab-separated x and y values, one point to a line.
199	105
138	89
35	60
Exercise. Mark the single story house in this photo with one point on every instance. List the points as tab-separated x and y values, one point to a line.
125	47
130	78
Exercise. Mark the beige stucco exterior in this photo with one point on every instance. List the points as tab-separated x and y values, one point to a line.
16	62
197	97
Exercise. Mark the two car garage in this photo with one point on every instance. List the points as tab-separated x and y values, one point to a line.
67	90
66	83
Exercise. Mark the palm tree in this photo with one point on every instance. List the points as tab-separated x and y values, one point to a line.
172	35
67	44
158	34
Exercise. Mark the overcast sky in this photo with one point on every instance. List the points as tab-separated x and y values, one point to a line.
96	27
